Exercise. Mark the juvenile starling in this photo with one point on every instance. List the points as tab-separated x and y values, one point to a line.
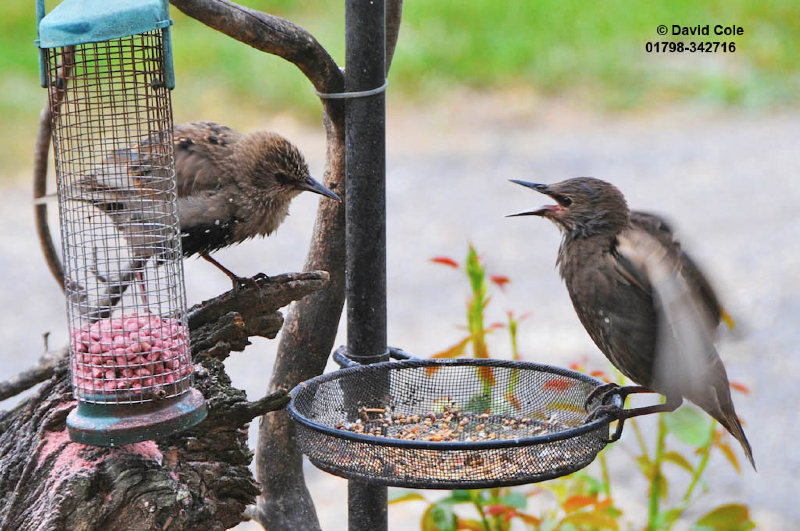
231	187
644	302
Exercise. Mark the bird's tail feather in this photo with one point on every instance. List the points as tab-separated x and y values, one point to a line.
730	422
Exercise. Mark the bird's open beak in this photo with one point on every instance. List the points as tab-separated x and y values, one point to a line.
312	185
542	189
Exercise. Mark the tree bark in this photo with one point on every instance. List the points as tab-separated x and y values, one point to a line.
195	480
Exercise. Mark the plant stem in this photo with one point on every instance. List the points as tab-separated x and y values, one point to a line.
477	503
698	473
655	480
701	467
606	478
639	436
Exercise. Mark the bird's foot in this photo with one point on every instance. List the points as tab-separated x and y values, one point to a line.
247	282
601	391
609	390
609	410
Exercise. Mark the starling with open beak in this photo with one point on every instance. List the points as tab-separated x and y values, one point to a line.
230	186
644	302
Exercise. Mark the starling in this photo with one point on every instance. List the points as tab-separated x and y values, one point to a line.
641	298
230	187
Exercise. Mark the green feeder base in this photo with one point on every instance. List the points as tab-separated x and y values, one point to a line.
118	424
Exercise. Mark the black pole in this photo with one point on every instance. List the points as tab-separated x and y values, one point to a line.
365	148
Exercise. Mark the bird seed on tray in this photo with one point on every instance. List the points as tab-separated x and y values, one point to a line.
448	426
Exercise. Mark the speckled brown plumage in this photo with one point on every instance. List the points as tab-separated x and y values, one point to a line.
230	186
642	299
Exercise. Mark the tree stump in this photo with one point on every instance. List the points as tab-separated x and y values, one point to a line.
198	479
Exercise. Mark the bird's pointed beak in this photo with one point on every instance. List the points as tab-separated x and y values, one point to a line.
313	185
542	189
538	212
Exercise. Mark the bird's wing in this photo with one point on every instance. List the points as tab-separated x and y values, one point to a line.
207	222
686	359
659	228
199	147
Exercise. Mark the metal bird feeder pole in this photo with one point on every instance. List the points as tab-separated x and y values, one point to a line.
365	148
108	70
438	424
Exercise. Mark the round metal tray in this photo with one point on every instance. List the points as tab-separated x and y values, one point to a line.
519	423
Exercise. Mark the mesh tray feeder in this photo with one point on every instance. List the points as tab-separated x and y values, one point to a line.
448	424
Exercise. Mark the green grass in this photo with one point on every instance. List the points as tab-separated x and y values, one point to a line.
592	52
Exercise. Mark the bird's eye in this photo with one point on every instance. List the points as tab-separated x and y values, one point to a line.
282	178
563	200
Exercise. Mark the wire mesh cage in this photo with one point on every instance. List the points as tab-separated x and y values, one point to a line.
111	117
448	424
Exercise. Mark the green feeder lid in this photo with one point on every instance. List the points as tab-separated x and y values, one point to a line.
75	22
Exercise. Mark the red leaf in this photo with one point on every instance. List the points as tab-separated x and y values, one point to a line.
529	519
495	326
603	505
487	375
574	503
513	400
452	352
602	375
742	388
444	260
558	384
578	365
497	509
500	280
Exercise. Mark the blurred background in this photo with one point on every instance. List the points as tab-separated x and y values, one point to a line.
481	92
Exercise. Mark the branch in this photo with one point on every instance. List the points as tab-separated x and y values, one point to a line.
43	370
394	14
270	34
194	480
41	151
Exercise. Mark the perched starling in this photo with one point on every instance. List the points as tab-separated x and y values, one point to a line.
644	302
231	187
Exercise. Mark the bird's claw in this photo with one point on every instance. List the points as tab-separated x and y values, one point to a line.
610	410
602	391
244	282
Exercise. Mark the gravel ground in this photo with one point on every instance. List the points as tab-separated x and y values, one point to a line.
728	180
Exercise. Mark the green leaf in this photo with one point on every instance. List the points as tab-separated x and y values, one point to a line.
478	403
457	496
399	496
645	466
678	459
439	517
475	272
515	499
460	496
668	517
689	425
728	452
732	517
663	486
595	520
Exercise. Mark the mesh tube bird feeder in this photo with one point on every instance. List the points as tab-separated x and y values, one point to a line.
108	70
